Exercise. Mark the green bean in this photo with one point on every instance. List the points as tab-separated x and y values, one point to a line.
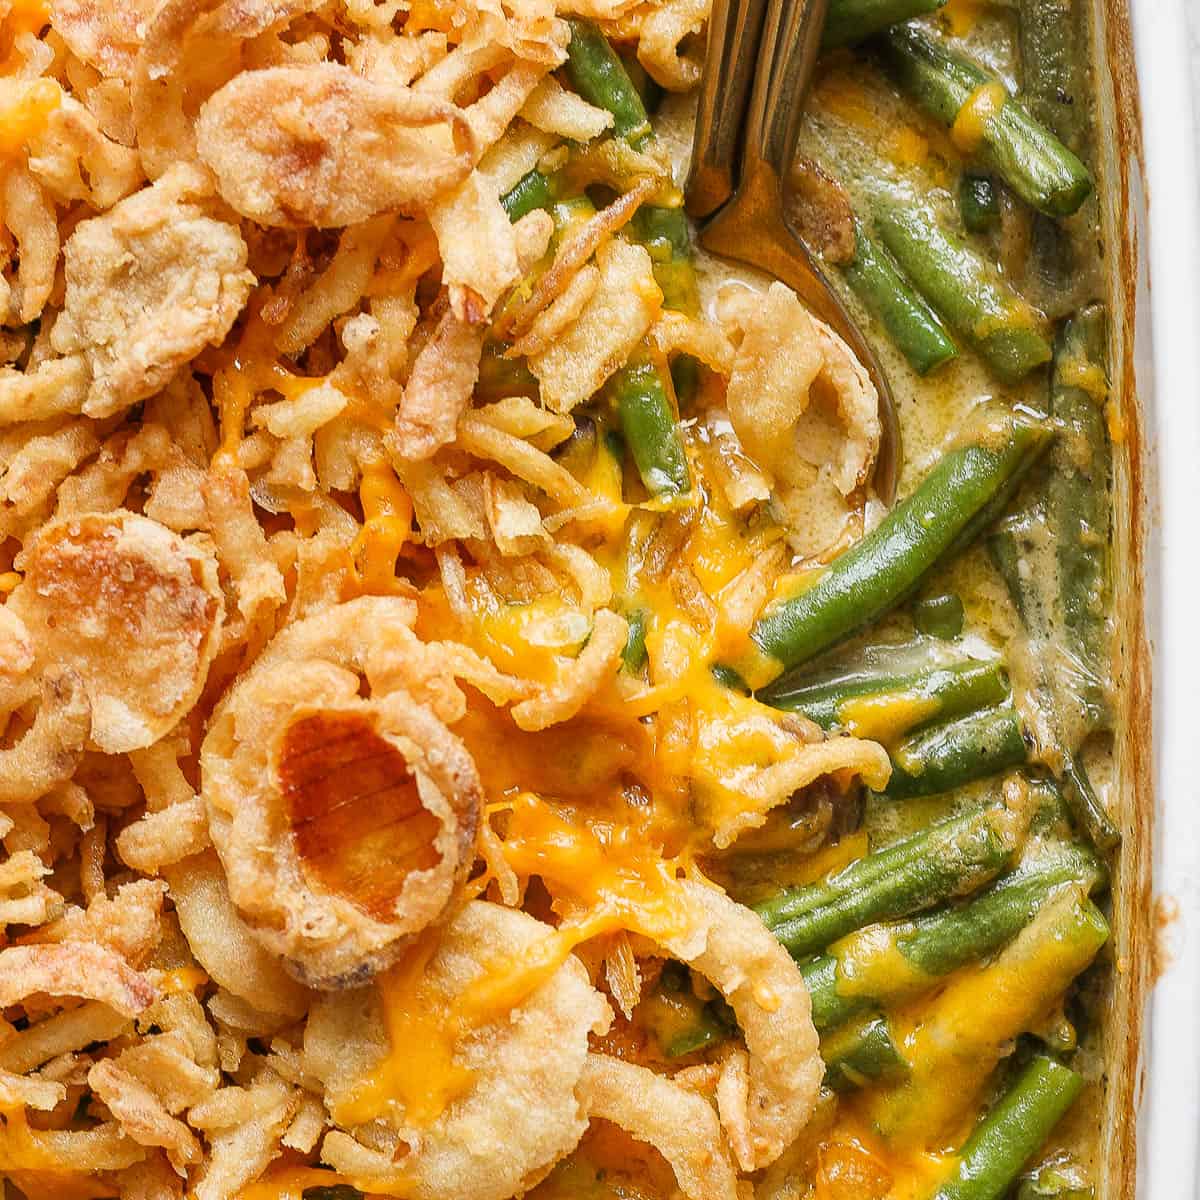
963	494
949	756
861	1053
1050	82
678	1020
650	429
1003	328
882	964
633	657
1089	813
599	76
1010	550
1050	76
532	191
851	21
336	1191
1077	492
1030	159
879	283
863	701
500	376
665	234
1015	1129
968	1027
949	858
978	202
939	616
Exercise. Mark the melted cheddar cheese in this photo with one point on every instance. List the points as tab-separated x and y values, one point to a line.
970	124
25	107
387	527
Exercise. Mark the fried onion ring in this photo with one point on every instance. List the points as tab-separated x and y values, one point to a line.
320	146
766	1106
345	822
679	1124
133	609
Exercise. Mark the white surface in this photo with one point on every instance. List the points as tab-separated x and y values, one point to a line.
1169	377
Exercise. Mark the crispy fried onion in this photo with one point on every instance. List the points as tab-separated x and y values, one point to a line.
133	609
343	809
439	388
679	1124
767	1096
752	759
190	48
803	408
223	944
141	1114
105	36
520	1112
149	285
664	28
610	325
77	969
320	146
47	753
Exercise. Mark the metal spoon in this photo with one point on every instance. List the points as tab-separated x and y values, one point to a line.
773	45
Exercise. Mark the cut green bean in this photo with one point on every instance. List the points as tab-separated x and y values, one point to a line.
1030	159
867	702
882	964
945	757
970	1025
599	76
500	376
678	1020
532	191
1086	807
651	431
978	202
947	859
940	616
861	1053
1015	1129
665	234
963	494
912	325
851	21
1013	551
1050	74
1077	491
336	1191
1002	327
633	657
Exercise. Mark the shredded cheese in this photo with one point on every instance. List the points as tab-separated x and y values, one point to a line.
970	125
387	526
25	107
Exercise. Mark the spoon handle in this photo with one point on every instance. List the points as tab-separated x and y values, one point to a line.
734	31
790	43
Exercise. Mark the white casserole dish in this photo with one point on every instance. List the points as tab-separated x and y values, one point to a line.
1162	211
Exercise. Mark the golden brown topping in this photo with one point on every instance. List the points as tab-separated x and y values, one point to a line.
320	146
149	285
345	823
133	608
